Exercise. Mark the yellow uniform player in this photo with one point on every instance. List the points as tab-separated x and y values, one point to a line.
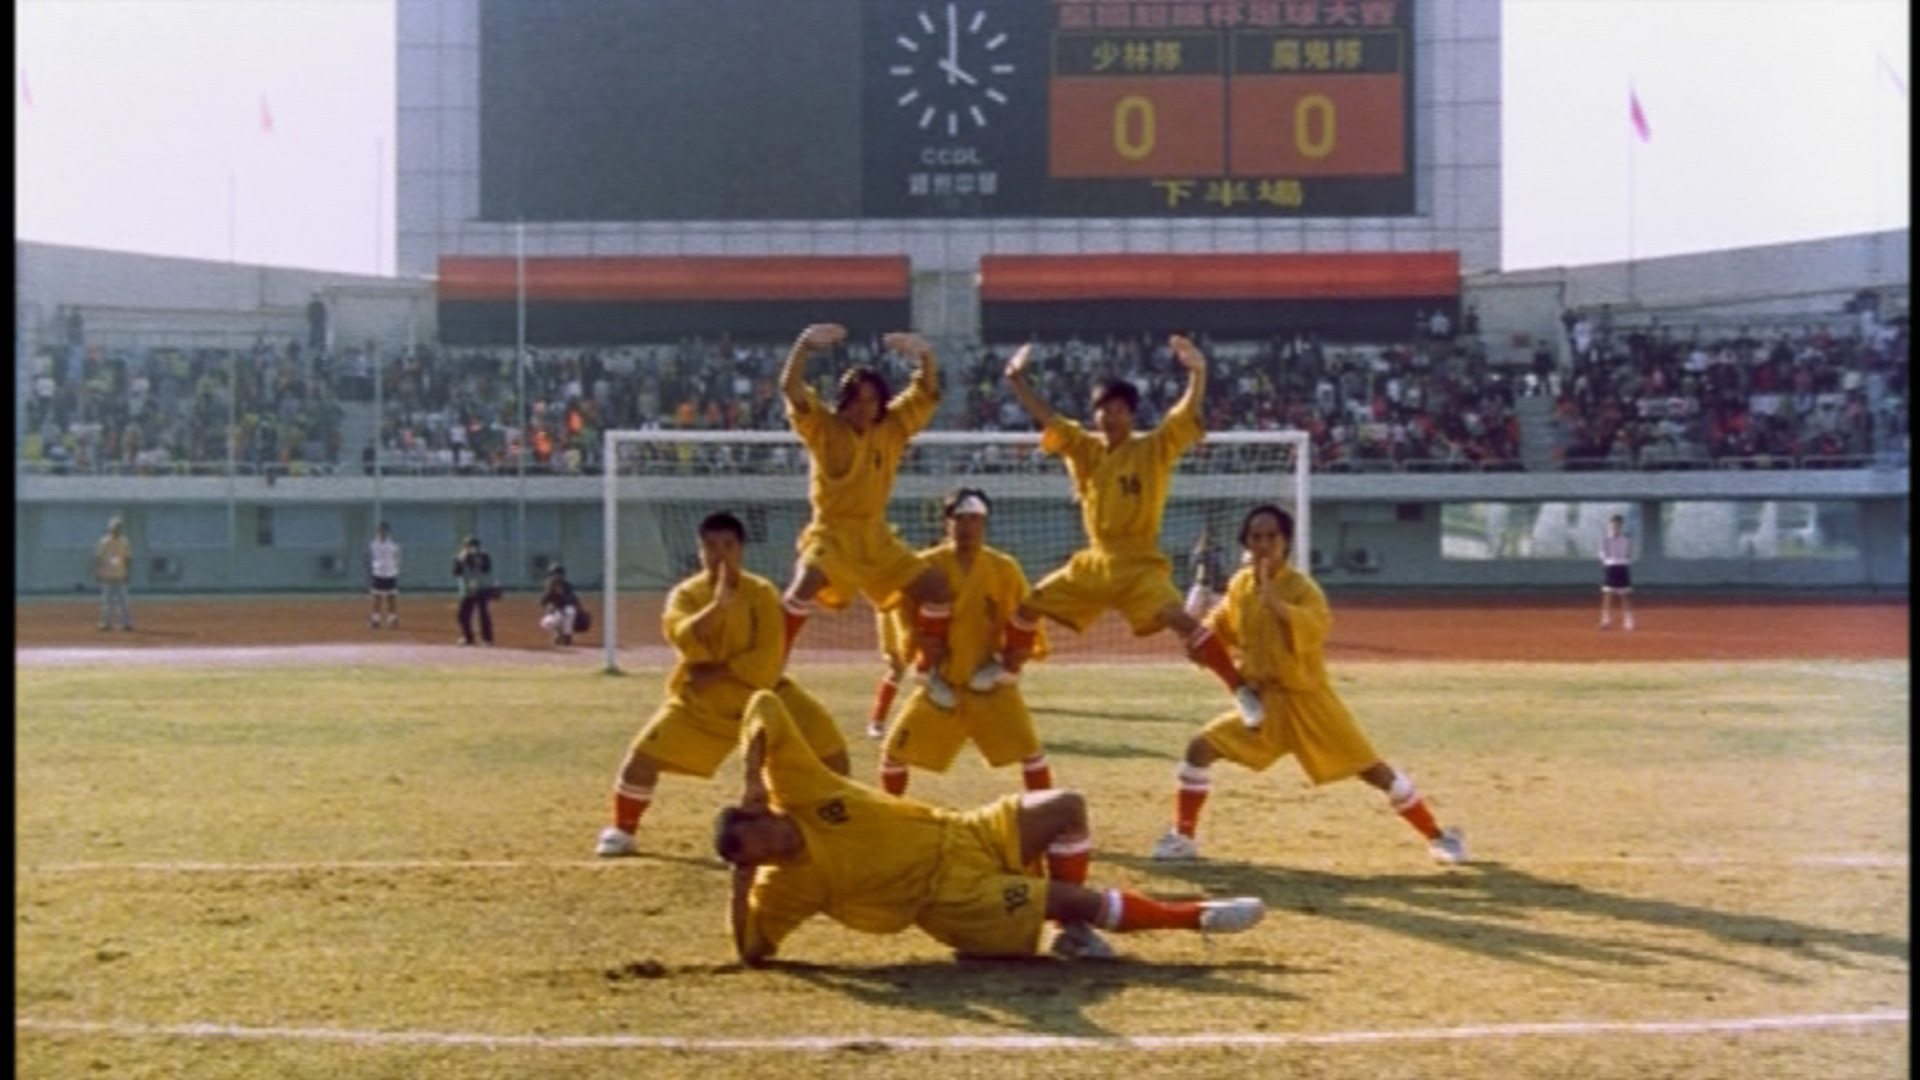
854	450
1277	619
805	841
725	625
1120	479
990	710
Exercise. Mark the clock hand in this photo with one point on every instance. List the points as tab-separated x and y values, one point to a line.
951	65
955	74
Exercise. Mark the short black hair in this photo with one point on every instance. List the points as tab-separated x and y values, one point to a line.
850	385
724	521
955	497
1280	517
1108	389
726	842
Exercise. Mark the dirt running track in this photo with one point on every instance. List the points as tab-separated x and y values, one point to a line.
1402	627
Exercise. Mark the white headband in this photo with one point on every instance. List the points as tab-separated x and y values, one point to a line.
970	504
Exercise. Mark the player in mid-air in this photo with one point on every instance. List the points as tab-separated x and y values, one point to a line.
854	450
987	584
1277	618
724	622
805	841
1120	479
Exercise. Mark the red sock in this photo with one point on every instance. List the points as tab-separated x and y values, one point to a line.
629	803
793	621
1067	859
893	777
1420	817
1194	783
1215	658
1137	912
882	700
1035	774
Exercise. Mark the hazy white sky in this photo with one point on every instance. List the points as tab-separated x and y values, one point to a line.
140	127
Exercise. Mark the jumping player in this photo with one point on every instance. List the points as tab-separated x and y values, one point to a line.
724	622
1120	478
895	652
804	841
854	451
1277	619
383	567
990	712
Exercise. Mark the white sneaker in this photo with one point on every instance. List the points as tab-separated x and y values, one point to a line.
393	622
938	691
373	622
1247	700
1605	622
1078	941
876	731
614	842
1627	623
1450	847
988	676
1232	915
1173	844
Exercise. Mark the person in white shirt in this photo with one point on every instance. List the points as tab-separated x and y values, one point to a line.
1616	565
383	565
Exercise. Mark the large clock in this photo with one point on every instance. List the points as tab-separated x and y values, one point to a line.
951	68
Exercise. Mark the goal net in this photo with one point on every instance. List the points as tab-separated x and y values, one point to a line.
658	484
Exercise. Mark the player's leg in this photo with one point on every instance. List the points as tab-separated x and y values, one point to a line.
465	616
373	616
393	607
1626	608
1446	845
932	616
892	637
1193	782
485	606
1206	649
1606	606
632	794
797	602
1079	910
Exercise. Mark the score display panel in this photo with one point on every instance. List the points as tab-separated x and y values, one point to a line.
826	109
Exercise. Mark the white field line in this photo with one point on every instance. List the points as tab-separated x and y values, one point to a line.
1860	861
1251	1040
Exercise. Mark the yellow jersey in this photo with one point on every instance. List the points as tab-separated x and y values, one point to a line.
869	859
985	596
1290	654
1122	490
850	475
750	638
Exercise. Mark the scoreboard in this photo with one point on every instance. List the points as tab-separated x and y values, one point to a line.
637	110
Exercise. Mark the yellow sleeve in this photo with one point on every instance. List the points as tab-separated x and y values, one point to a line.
684	604
782	897
807	414
911	408
1063	437
759	665
1178	431
792	771
1309	617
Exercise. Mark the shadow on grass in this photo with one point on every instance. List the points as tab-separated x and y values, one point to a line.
1494	910
1123	715
1038	994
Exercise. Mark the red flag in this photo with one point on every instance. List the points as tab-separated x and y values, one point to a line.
1638	116
266	117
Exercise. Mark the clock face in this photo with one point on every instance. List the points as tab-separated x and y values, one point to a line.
949	68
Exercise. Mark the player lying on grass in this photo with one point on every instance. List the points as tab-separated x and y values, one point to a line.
853	452
724	622
805	841
1120	479
986	584
1277	618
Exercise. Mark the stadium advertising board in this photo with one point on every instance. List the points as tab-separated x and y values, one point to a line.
644	110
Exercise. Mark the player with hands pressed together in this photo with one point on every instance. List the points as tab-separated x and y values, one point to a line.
1121	479
1277	619
805	841
724	622
854	450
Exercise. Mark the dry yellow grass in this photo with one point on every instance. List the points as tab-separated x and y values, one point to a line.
384	871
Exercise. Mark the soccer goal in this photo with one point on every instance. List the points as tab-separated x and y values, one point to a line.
658	484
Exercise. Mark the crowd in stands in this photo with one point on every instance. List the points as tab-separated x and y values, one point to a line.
1648	396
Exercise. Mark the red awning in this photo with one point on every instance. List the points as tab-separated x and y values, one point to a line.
1018	278
674	278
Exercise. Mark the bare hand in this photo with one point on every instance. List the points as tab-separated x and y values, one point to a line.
908	343
1017	363
725	578
823	335
1185	351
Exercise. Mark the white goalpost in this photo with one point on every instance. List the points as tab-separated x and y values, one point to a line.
656	485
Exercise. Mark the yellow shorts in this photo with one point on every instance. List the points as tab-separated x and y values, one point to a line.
695	733
867	558
896	641
1139	585
1312	726
985	902
927	737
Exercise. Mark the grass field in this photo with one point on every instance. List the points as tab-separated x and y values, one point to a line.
1690	870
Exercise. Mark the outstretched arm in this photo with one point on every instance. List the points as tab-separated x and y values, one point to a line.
926	375
1191	358
1041	412
793	377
